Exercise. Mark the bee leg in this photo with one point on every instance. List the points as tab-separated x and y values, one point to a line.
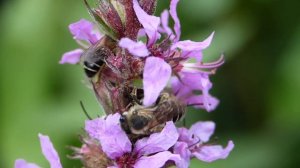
135	99
134	96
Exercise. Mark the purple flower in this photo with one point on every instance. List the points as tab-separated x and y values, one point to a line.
71	57
175	57
85	35
136	48
156	75
191	82
48	151
84	30
193	143
146	152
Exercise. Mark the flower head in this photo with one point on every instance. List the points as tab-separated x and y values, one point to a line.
171	56
149	151
195	143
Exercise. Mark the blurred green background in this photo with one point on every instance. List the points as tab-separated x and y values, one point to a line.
259	85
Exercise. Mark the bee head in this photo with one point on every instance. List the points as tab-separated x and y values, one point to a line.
138	122
135	122
124	124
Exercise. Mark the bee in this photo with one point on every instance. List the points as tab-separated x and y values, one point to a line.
140	120
94	58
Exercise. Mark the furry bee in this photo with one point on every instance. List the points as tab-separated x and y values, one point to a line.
140	120
95	57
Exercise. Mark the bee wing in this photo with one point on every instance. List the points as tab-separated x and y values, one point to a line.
103	95
169	109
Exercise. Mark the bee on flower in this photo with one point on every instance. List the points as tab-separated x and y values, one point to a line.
144	86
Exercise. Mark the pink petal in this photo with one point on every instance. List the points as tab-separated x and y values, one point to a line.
113	139
202	130
184	135
135	48
189	45
155	77
49	152
180	89
158	160
20	163
71	57
83	30
165	23
149	22
198	55
182	149
141	33
195	81
205	101
158	142
93	127
173	12
189	83
212	153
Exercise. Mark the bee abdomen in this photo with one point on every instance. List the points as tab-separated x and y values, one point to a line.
94	59
91	69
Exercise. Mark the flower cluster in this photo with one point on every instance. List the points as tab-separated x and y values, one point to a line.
176	145
138	47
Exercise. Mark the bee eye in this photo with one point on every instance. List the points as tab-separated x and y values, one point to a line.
158	100
122	119
139	122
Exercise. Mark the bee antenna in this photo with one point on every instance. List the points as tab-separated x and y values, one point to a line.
85	112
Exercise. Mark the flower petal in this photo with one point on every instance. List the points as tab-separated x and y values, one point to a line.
195	81
212	153
180	89
191	82
113	139
158	142
189	45
49	152
197	54
94	127
149	22
135	48
71	57
20	163
173	12
184	135
205	101
158	160
155	77
83	30
165	23
203	130
182	149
